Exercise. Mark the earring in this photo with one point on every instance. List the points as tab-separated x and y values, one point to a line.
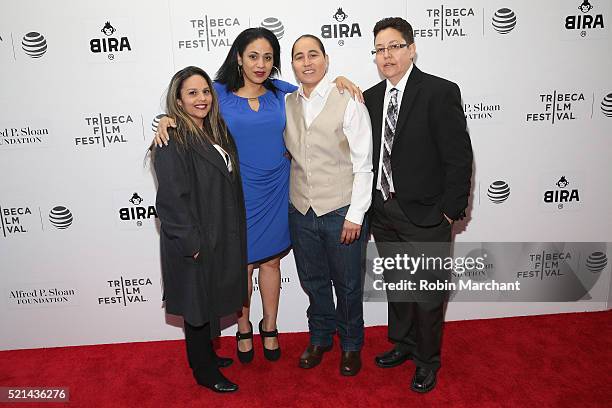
239	70
272	74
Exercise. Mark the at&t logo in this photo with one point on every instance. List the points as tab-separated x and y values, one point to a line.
275	25
504	20
34	44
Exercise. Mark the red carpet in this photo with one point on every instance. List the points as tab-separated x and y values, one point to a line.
542	361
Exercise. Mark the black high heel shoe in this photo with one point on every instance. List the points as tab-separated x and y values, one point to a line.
269	354
245	356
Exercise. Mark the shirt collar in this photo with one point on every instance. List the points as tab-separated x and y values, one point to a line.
321	89
401	85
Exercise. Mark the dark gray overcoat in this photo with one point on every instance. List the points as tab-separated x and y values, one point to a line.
200	205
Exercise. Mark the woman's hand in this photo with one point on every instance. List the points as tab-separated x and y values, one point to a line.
161	136
343	83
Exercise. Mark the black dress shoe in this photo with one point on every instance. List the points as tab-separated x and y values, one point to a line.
424	380
311	357
223	362
222	386
392	358
214	380
350	363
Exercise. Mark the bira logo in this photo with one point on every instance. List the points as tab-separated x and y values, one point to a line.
105	130
559	106
562	195
586	20
111	44
342	29
446	23
137	212
211	32
126	291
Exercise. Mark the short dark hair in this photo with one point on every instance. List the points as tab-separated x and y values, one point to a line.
314	37
397	23
229	75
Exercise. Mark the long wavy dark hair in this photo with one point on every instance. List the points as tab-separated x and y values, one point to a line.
229	75
214	130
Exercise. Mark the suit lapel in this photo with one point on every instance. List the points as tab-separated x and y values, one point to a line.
209	153
376	117
413	85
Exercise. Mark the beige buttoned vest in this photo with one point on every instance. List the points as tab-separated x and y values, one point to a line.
321	167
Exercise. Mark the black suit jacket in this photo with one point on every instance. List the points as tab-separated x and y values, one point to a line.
431	158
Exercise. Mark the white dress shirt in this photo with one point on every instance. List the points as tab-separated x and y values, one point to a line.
401	86
358	130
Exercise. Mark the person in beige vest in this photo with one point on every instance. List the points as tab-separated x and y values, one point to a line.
329	137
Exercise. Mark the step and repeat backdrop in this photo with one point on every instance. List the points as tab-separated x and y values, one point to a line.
82	88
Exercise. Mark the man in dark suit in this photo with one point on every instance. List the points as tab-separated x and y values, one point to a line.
422	161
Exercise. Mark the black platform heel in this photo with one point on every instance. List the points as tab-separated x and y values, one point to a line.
245	356
274	354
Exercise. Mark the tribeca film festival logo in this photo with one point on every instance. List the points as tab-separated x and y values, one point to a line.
16	220
606	105
563	195
498	192
342	29
558	106
23	136
504	20
34	44
212	32
275	25
546	265
585	20
137	212
446	22
110	44
57	294
126	291
105	130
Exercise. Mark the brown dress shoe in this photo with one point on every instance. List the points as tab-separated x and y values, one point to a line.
311	357
350	363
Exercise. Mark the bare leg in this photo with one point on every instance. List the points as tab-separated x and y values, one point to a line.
269	286
243	318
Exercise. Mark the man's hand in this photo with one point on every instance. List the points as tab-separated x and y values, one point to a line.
161	136
350	232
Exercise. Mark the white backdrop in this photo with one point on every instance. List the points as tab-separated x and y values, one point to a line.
79	259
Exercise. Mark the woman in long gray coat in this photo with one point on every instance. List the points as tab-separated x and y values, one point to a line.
203	228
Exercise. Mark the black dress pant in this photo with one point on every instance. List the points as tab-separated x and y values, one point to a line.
415	327
200	353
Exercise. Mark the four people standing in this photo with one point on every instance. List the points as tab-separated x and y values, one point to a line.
420	183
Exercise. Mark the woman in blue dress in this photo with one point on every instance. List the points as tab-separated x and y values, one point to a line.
252	104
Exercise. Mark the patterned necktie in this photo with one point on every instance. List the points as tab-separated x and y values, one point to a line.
390	121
